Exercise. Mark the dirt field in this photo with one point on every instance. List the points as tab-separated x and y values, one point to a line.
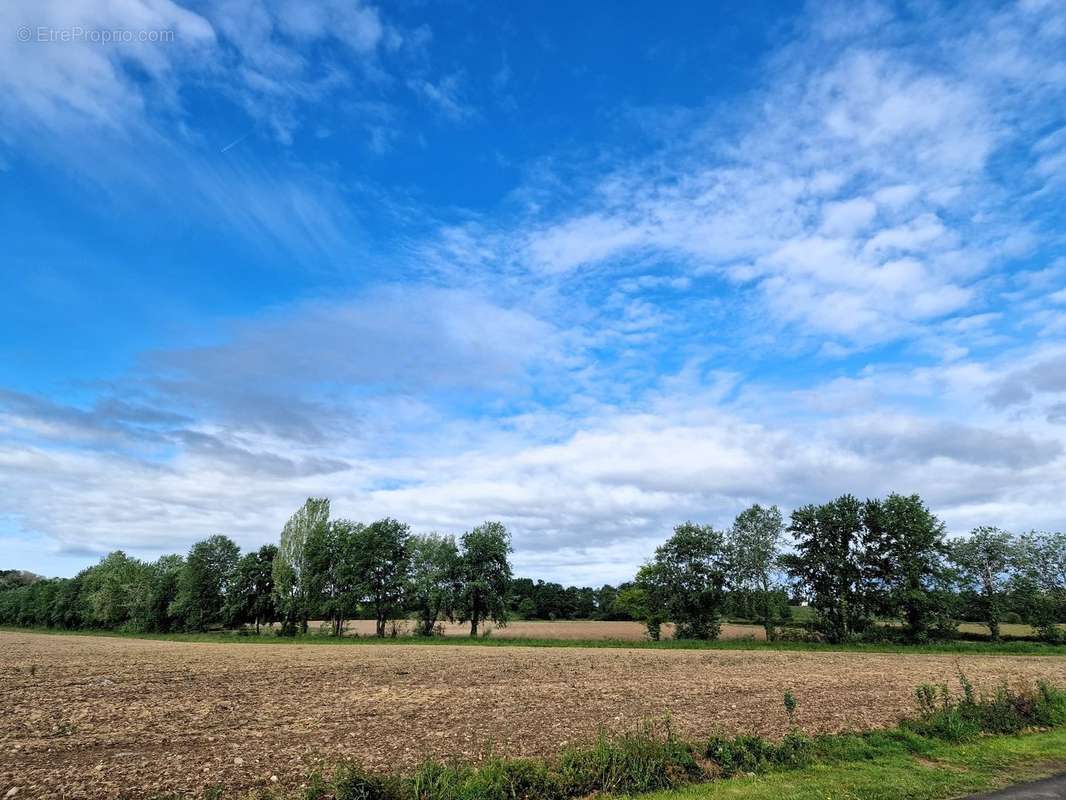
87	717
577	629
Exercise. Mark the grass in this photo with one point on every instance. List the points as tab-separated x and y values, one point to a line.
946	648
943	770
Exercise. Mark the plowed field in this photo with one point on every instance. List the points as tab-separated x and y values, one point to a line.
96	717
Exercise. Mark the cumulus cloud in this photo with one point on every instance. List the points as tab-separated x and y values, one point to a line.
832	293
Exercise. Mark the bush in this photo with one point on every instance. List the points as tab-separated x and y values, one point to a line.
753	754
643	761
941	716
353	783
496	779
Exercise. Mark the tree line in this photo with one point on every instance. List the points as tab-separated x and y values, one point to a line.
321	568
857	563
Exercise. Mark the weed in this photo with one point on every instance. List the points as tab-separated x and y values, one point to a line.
790	707
643	761
351	782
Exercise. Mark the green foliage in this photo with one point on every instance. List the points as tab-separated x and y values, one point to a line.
829	565
791	704
484	576
380	564
539	599
494	779
1038	585
203	582
904	555
294	582
754	544
984	561
251	595
685	581
353	783
434	564
648	759
16	578
958	719
160	614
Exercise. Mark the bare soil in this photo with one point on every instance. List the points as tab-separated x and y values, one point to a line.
98	717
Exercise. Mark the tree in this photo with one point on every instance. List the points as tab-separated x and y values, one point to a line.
160	592
431	587
606	596
381	562
484	575
1040	581
14	578
251	597
111	591
686	579
905	562
339	564
294	583
828	563
204	582
754	549
984	561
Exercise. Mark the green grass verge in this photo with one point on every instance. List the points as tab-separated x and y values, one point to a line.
943	771
496	640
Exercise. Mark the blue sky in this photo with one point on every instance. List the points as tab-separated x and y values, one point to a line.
589	269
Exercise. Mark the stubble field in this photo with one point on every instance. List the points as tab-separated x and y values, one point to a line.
95	717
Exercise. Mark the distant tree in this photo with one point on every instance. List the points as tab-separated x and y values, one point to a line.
14	578
632	603
160	591
332	584
685	581
905	558
433	574
484	575
829	562
251	598
295	585
204	582
381	563
984	561
111	591
754	550
67	608
605	599
1039	581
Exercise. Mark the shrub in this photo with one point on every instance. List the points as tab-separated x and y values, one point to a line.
642	761
790	707
351	782
741	754
1007	711
496	779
